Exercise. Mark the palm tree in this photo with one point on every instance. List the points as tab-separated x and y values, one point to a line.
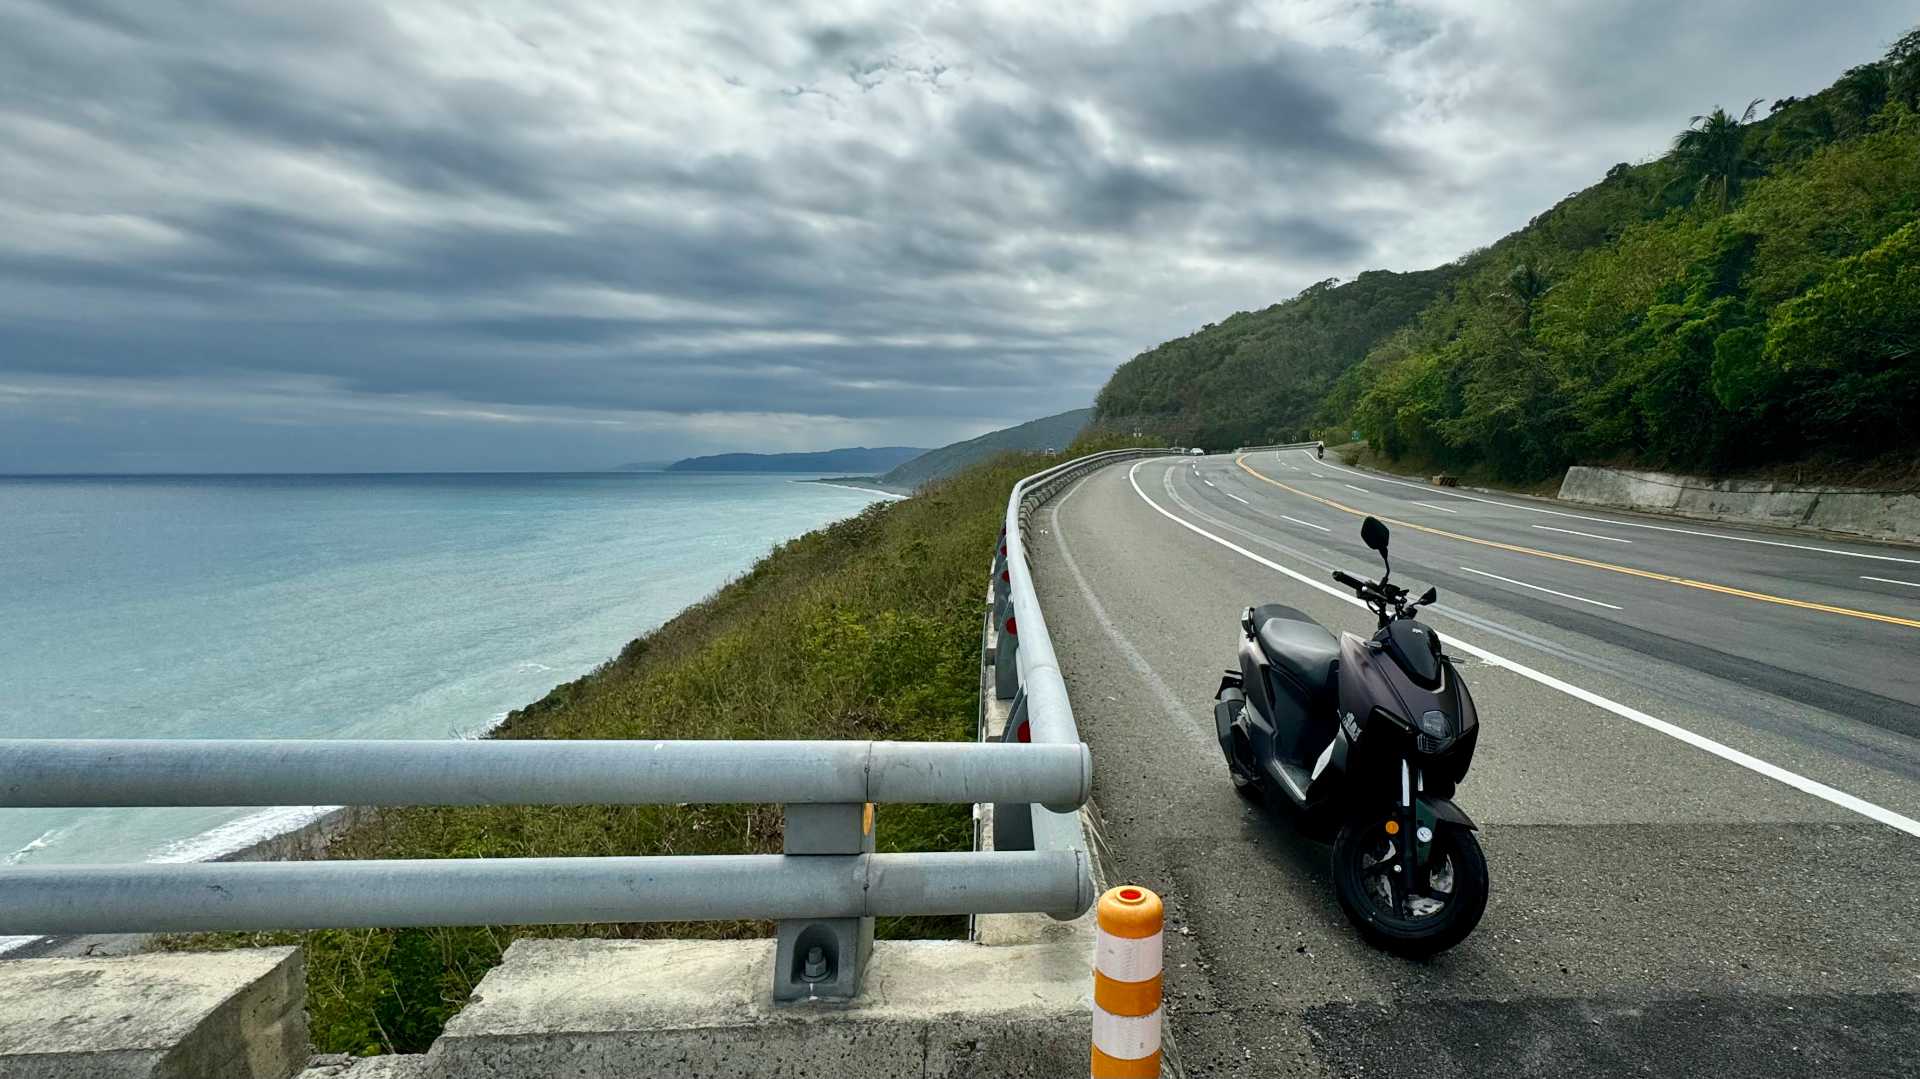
1712	155
1526	287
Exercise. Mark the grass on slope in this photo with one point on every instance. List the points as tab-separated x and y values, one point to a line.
867	628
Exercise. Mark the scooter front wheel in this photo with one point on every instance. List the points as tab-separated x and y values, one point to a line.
1444	905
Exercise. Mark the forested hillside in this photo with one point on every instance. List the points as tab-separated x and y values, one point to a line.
1746	299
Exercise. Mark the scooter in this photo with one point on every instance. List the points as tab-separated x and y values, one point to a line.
1367	738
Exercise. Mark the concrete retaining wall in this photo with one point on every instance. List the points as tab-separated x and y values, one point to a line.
1874	514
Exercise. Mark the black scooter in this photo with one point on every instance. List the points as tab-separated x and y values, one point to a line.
1367	737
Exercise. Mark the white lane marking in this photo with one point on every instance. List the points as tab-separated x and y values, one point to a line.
1236	498
1634	524
1537	588
1208	482
1351	487
1589	535
1889	580
1318	476
1309	524
1699	741
1431	506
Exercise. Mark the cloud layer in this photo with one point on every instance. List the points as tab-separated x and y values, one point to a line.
362	235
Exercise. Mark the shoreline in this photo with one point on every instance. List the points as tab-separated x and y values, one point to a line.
861	483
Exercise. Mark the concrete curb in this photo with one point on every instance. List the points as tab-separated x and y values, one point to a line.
1842	510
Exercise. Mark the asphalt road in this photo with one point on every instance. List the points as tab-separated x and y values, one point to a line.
1698	779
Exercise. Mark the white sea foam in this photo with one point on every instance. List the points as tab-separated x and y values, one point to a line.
41	842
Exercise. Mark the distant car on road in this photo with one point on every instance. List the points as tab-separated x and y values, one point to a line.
1196	452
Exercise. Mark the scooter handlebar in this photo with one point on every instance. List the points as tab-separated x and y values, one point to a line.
1349	580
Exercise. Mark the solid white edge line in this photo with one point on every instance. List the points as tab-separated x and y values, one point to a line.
1431	506
1699	741
1589	535
1626	524
1889	580
1309	524
1537	588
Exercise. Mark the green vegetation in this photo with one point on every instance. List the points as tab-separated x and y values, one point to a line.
1730	306
868	628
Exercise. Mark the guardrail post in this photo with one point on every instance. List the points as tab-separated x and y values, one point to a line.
1006	659
824	958
1013	821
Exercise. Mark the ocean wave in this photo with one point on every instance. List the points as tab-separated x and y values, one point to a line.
237	835
41	842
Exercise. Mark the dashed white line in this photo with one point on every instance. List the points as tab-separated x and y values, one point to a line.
1537	588
1634	524
1889	580
1309	524
1589	535
1431	506
1351	487
1725	752
1208	482
1236	498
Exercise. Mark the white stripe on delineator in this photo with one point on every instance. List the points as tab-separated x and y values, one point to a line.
1537	588
1126	1037
1128	959
1627	712
1589	535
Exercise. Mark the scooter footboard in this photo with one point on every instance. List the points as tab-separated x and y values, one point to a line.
1228	703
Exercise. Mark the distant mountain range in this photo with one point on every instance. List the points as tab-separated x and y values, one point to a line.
1048	432
849	459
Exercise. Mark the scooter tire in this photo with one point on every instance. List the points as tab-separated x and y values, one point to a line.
1411	939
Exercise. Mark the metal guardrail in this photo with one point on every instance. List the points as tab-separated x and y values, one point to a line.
1026	671
824	891
1281	446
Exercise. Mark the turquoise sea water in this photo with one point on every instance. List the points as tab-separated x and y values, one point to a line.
336	606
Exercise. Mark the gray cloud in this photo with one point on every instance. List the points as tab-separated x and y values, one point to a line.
561	234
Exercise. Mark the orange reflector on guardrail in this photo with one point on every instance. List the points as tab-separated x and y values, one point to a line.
1126	984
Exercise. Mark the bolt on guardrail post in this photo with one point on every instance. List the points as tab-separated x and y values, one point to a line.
824	958
1126	984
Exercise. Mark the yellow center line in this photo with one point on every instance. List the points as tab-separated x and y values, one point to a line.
1705	586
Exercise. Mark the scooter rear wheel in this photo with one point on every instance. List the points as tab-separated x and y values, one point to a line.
1447	905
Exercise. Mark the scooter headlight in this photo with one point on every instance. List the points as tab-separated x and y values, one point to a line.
1436	724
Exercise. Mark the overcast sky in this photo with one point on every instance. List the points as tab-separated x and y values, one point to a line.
247	235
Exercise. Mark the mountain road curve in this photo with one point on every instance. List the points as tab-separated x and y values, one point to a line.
1698	778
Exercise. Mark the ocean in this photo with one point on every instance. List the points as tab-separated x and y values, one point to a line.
401	606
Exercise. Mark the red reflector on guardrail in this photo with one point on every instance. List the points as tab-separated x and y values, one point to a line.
1011	627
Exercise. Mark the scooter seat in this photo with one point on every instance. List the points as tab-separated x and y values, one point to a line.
1298	645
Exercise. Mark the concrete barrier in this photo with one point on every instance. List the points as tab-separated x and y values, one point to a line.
223	1015
1875	514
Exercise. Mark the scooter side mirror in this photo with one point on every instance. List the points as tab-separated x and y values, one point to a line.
1432	595
1374	534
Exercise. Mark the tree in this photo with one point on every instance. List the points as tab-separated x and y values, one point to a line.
1526	287
1712	155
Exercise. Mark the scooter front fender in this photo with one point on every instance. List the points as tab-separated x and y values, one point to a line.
1444	809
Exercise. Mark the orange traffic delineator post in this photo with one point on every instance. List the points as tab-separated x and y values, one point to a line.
1126	984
